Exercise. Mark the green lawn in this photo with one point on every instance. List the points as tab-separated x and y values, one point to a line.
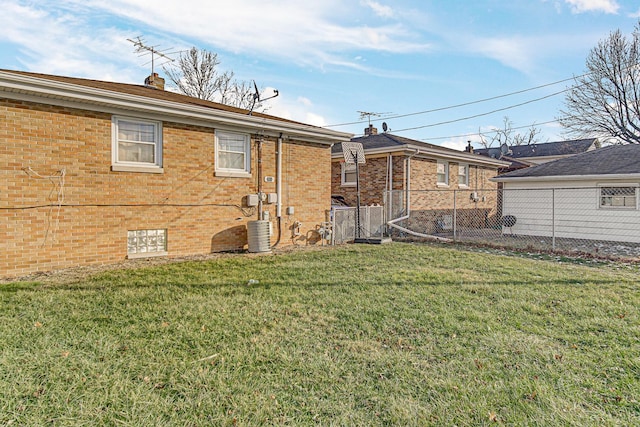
395	334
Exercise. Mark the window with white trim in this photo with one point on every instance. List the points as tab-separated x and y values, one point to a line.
618	197
142	243
442	173
136	142
348	175
463	175
233	153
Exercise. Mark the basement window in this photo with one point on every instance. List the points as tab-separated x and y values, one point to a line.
137	145
618	197
146	243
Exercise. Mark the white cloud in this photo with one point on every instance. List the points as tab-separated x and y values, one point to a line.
606	6
635	15
514	52
309	33
457	144
59	43
379	9
300	109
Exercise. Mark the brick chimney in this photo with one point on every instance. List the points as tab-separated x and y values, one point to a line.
154	81
370	131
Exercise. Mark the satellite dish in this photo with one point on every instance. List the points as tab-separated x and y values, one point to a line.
384	126
256	96
504	149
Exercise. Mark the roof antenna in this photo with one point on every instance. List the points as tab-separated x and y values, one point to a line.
143	49
368	115
256	96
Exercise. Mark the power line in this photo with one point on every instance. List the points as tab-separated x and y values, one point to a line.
489	131
464	104
446	122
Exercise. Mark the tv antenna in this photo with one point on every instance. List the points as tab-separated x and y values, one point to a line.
368	115
256	96
143	49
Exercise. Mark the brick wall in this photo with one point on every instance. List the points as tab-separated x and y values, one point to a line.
373	175
201	212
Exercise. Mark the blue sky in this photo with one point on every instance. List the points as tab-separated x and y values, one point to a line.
330	59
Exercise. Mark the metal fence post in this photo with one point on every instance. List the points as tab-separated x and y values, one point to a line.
553	219
455	216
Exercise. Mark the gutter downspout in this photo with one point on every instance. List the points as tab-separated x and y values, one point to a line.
278	189
393	224
259	147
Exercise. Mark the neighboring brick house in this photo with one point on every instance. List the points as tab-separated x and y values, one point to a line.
431	178
95	172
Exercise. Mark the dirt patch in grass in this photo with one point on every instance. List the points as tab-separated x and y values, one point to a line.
73	274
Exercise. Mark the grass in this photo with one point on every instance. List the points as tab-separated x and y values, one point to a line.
396	334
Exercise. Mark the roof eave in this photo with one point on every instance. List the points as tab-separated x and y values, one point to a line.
44	88
415	150
548	178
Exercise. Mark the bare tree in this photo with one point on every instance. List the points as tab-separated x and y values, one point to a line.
507	135
196	74
605	101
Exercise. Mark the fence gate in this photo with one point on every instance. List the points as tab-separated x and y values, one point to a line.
372	223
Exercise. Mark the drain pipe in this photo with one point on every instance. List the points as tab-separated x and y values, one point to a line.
393	224
278	189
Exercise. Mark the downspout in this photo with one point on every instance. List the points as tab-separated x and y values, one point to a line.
389	192
259	142
278	189
393	224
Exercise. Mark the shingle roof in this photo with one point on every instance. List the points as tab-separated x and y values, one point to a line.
558	148
387	140
612	160
145	91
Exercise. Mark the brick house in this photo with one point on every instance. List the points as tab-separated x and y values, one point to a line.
96	172
426	180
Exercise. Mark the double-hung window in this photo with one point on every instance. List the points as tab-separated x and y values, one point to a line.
136	144
442	173
233	154
618	197
348	174
463	175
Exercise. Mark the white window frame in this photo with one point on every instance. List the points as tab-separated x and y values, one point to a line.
619	186
343	174
444	183
245	171
129	166
464	184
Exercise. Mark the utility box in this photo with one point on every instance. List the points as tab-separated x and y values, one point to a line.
272	198
252	200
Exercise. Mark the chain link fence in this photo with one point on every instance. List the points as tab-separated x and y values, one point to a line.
602	221
372	223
